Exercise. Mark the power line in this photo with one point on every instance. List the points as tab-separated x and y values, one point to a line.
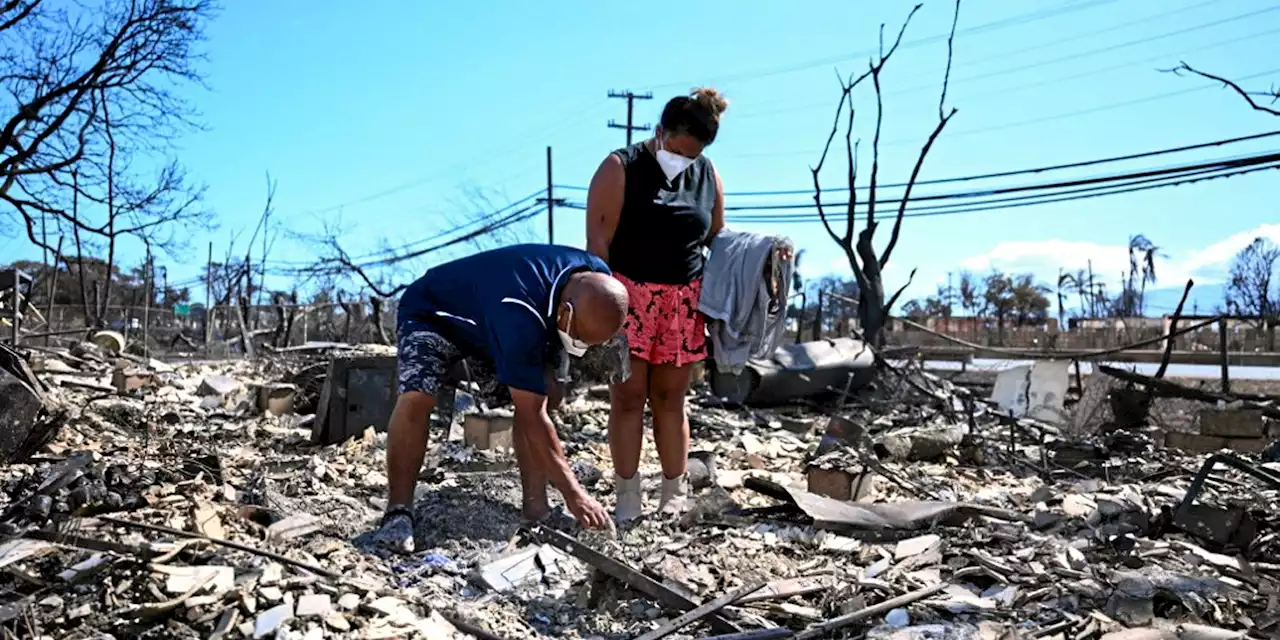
1170	178
1094	52
518	216
1042	119
1004	174
1049	199
1005	55
1060	191
909	44
1165	57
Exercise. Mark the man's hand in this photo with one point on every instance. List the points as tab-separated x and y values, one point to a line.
588	511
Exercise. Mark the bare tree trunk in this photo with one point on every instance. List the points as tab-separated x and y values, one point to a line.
278	334
291	318
380	331
246	339
346	318
111	207
868	265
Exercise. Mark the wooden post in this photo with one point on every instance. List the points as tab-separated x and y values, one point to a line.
53	289
16	315
147	284
817	317
1222	344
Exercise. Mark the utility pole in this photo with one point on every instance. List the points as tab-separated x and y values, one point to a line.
148	281
631	104
551	201
208	291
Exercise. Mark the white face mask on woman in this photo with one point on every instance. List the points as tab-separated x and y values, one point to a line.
673	164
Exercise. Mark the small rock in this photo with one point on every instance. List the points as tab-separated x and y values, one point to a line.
271	620
898	618
337	621
348	601
314	605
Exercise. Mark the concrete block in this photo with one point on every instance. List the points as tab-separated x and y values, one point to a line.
492	430
126	380
839	484
1232	423
277	398
1200	443
1223	527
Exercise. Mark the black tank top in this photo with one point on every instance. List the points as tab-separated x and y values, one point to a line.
663	224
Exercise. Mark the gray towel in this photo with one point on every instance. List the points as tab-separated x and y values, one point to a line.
735	297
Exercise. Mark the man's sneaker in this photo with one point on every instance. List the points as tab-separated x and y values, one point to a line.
675	495
630	502
396	531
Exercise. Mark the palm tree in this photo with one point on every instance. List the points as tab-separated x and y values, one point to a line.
1142	269
1066	284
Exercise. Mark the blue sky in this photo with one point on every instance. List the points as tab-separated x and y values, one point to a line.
384	116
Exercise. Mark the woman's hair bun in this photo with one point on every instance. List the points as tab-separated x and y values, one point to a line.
710	99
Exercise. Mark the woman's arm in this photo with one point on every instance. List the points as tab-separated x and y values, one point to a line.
604	205
717	210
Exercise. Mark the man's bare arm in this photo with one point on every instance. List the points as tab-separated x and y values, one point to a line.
544	443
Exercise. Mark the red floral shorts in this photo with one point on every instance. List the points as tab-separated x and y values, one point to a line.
663	323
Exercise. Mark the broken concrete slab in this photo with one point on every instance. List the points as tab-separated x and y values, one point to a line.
220	386
1200	443
919	444
1034	391
1223	527
1232	422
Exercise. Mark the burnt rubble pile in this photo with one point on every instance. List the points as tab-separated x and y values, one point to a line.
194	501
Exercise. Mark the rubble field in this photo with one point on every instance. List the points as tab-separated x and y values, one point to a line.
178	501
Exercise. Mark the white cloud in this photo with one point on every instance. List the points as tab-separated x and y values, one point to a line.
1044	258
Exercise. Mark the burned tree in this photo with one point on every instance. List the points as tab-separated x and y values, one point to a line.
868	266
1253	286
91	87
1269	97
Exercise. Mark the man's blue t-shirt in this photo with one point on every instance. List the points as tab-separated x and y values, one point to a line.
499	305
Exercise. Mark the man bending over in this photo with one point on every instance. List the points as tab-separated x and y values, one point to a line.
515	308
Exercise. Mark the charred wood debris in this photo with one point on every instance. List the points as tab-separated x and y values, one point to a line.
200	499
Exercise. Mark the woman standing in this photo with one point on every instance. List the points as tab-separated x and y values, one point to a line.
651	209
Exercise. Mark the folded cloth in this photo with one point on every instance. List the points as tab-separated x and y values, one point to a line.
736	296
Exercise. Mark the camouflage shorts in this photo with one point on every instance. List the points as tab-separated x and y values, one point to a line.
429	363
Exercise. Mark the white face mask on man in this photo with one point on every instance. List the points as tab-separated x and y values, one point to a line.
575	348
673	164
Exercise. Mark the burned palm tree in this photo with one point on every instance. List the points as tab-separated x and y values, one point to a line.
1142	271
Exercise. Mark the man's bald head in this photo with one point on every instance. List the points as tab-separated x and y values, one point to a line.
599	305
